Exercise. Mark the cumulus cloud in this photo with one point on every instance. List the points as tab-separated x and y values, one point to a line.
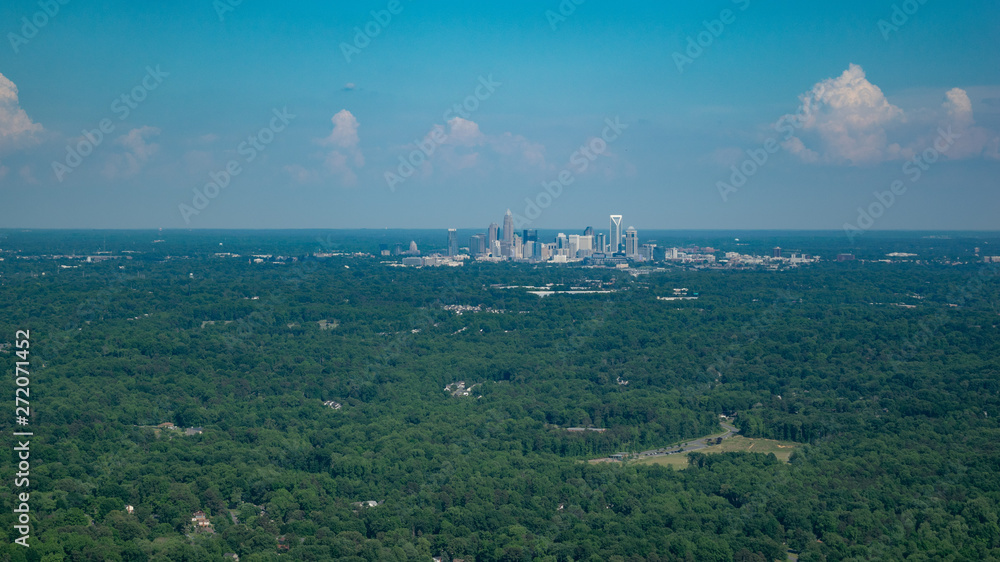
137	151
346	156
844	120
972	140
848	121
461	145
16	128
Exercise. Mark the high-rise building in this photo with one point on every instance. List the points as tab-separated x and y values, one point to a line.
477	244
574	244
508	228
413	247
492	236
530	235
631	242
776	252
587	243
615	236
452	242
601	245
589	231
561	241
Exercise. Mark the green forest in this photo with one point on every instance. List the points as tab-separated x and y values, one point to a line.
885	374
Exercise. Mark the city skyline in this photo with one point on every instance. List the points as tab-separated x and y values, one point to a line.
702	116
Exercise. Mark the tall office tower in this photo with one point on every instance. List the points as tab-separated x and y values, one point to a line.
452	242
587	242
602	243
517	248
413	247
574	244
561	241
615	237
477	244
530	235
631	242
508	228
776	252
493	235
589	231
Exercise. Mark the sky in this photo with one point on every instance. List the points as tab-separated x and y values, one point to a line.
722	114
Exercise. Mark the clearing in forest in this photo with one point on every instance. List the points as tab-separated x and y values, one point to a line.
737	443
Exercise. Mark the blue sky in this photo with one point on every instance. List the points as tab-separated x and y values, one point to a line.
863	104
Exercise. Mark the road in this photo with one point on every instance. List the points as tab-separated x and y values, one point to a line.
694	445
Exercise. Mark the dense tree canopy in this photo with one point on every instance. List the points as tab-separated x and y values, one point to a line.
895	409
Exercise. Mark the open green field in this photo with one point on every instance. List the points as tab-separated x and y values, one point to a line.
781	449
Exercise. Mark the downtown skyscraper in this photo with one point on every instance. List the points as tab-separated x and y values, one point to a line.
615	236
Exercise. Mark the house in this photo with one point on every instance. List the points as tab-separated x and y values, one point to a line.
129	509
167	425
193	431
282	543
200	521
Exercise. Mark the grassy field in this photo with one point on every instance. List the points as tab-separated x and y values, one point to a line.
781	449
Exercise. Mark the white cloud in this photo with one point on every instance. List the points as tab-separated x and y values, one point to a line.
848	121
16	128
346	156
138	151
972	140
844	120
461	145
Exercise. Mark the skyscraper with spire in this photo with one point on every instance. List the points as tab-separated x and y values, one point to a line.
508	228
